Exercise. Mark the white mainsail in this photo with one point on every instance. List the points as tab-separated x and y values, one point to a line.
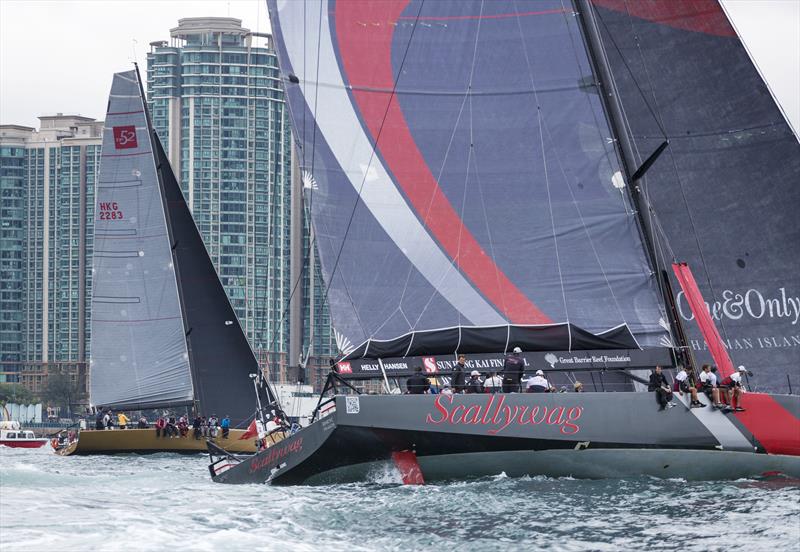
139	354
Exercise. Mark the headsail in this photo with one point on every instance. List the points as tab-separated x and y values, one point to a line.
139	355
726	191
465	173
221	357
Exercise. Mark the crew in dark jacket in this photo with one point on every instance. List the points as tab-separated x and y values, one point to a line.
459	374
475	385
658	383
418	383
513	367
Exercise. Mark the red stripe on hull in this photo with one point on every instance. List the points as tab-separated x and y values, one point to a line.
366	53
776	428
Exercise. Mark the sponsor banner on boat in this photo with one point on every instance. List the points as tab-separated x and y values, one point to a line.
547	361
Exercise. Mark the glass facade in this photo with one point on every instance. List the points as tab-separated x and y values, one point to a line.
12	248
47	178
35	254
217	104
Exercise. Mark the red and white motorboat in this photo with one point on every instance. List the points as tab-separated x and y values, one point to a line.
11	435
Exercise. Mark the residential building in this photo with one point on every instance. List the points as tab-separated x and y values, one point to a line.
48	178
13	188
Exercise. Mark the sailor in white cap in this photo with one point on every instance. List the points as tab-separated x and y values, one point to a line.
733	388
538	383
474	385
513	367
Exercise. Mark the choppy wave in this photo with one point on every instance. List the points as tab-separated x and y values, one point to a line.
167	502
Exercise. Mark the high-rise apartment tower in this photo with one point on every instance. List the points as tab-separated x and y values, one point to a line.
217	104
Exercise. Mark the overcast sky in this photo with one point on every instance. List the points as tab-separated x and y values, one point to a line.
58	56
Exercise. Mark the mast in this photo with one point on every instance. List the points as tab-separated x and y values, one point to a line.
172	243
616	119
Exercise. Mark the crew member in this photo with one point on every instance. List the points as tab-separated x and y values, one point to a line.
225	424
475	385
161	427
418	383
513	366
122	420
197	430
708	383
459	374
732	386
538	383
493	384
658	383
682	386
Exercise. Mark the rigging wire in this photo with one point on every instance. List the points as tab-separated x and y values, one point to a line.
608	158
374	149
372	155
651	212
467	96
610	36
306	255
540	118
473	157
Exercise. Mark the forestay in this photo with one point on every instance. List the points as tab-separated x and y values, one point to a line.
459	168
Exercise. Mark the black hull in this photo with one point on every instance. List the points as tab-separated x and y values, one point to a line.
589	435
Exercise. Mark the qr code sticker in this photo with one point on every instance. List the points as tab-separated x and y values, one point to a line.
352	405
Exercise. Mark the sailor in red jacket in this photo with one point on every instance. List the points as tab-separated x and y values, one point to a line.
161	425
733	388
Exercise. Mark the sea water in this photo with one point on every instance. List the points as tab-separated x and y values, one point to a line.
168	502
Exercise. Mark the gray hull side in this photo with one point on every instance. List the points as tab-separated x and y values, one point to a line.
622	420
